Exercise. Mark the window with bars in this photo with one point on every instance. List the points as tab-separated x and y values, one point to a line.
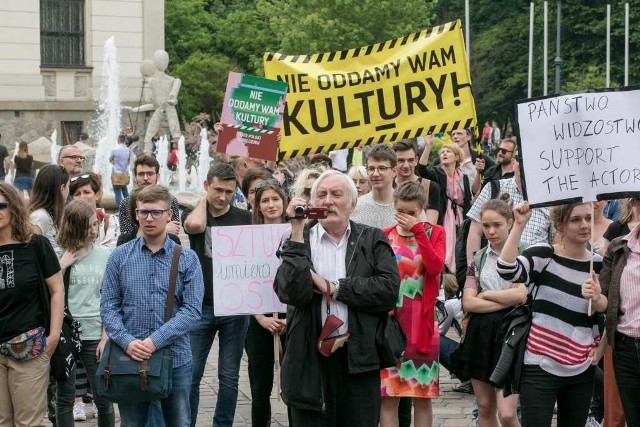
62	33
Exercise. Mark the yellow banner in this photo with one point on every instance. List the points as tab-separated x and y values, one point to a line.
402	88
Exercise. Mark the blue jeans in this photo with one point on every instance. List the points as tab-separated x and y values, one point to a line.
626	365
120	193
175	408
67	391
233	331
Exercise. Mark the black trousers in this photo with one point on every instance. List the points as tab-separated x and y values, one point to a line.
626	365
540	390
259	346
351	400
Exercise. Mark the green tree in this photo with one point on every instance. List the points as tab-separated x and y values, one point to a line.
188	29
204	79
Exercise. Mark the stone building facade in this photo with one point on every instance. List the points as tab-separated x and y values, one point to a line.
51	54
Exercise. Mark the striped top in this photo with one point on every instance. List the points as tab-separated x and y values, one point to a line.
562	334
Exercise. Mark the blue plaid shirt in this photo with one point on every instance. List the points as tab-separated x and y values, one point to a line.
134	296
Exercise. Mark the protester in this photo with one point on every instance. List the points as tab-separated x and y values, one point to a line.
119	158
375	208
488	298
359	176
83	263
454	188
504	167
24	366
5	161
420	252
137	323
147	172
251	178
23	161
50	192
304	182
356	265
619	280
629	219
494	137
214	209
600	226
88	187
563	337
71	159
269	209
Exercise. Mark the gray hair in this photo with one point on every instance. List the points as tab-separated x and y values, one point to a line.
352	191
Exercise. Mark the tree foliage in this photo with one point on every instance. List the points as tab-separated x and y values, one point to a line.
232	35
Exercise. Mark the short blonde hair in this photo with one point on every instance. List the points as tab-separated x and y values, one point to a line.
457	151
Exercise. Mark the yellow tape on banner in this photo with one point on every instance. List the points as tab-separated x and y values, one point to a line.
401	88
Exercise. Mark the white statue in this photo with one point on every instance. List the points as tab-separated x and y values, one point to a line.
164	97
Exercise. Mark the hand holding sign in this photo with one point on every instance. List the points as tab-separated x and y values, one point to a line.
591	287
522	213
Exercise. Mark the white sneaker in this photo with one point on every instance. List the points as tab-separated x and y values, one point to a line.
78	412
95	409
591	422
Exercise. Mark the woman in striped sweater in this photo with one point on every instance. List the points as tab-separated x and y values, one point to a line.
563	336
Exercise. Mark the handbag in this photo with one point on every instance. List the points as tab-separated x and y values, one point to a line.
121	379
63	360
120	179
328	345
390	340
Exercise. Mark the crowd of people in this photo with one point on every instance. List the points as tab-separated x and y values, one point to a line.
429	243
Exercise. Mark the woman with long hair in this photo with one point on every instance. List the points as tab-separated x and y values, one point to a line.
83	263
420	251
88	187
23	165
27	338
270	204
488	298
563	336
50	192
455	189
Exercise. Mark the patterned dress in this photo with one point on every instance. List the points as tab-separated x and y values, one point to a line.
417	374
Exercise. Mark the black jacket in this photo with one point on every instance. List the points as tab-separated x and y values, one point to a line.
370	290
437	174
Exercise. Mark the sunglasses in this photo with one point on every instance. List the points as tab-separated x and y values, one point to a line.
306	192
3	205
84	176
504	151
265	182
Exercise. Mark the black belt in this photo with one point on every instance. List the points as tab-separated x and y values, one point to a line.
620	337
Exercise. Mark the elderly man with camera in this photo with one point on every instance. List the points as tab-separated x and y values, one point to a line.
339	278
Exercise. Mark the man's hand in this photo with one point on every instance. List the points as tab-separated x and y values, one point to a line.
139	351
480	165
320	283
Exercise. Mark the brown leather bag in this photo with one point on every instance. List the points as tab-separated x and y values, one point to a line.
120	179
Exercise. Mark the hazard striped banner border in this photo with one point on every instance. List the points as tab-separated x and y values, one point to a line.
317	58
242	127
384	138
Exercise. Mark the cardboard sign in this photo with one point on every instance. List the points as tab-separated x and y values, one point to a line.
251	117
581	147
402	88
244	267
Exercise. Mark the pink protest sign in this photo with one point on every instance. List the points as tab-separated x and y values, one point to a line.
244	267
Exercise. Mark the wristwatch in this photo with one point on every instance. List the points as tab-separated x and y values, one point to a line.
336	289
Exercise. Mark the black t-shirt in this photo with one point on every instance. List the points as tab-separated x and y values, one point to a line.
616	229
3	153
201	243
20	292
23	165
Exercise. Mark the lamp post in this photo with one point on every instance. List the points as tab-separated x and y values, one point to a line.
558	61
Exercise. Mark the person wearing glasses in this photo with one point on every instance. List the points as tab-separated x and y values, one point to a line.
375	208
71	159
215	209
270	204
133	315
147	172
504	164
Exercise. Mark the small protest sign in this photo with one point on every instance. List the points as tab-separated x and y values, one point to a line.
251	116
407	87
244	267
580	147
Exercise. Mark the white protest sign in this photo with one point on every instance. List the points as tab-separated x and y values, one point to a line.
244	267
580	146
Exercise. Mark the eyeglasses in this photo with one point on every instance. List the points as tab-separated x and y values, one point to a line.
381	169
306	192
504	151
271	181
3	205
85	176
145	174
155	213
76	158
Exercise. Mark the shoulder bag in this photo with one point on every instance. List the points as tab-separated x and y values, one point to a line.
327	345
122	379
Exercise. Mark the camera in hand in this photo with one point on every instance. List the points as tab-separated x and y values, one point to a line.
311	213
